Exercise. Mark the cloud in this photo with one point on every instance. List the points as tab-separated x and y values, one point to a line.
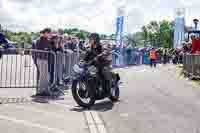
91	15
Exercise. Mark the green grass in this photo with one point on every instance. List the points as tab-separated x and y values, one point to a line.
179	71
180	75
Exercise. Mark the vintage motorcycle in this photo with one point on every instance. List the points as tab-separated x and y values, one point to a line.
87	86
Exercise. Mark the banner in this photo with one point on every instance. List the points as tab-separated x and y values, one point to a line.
119	31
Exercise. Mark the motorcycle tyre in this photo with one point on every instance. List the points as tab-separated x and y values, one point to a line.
77	98
117	93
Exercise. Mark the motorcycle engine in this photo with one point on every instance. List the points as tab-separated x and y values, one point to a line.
92	70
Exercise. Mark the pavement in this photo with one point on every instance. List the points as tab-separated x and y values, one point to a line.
21	113
154	101
151	101
42	116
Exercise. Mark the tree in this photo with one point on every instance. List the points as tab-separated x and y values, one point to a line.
166	34
68	31
61	31
145	34
81	35
159	34
103	36
135	40
26	38
130	40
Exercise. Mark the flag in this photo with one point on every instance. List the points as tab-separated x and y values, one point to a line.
119	31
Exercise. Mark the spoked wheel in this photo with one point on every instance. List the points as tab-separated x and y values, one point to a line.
114	92
83	93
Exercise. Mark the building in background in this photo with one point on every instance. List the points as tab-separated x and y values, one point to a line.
179	28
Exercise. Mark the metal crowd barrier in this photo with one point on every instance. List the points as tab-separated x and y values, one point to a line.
70	59
115	59
191	66
131	58
29	68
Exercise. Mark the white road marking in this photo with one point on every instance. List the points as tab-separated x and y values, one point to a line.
102	129
96	117
38	111
30	124
93	128
99	123
61	104
124	115
94	122
143	70
89	117
90	121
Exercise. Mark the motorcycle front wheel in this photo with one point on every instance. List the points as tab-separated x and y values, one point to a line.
83	93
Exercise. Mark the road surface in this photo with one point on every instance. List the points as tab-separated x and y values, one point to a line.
151	101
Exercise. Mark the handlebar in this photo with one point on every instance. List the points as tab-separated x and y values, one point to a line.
90	62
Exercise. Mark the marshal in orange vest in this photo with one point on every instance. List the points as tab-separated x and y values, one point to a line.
152	54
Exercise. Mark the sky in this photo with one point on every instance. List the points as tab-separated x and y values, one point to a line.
91	15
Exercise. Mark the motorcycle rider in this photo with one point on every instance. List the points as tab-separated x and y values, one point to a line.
100	62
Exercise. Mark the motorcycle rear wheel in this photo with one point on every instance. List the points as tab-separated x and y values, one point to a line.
78	97
114	93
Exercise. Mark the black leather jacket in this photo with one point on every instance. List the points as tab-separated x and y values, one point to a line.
92	53
102	61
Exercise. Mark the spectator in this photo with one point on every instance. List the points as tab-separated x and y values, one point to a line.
152	57
195	44
165	56
60	60
34	47
34	53
65	40
176	56
57	46
69	44
86	45
187	47
3	41
75	43
145	57
43	43
1	53
81	45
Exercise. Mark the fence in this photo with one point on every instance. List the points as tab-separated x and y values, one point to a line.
191	65
28	68
127	57
132	56
70	59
